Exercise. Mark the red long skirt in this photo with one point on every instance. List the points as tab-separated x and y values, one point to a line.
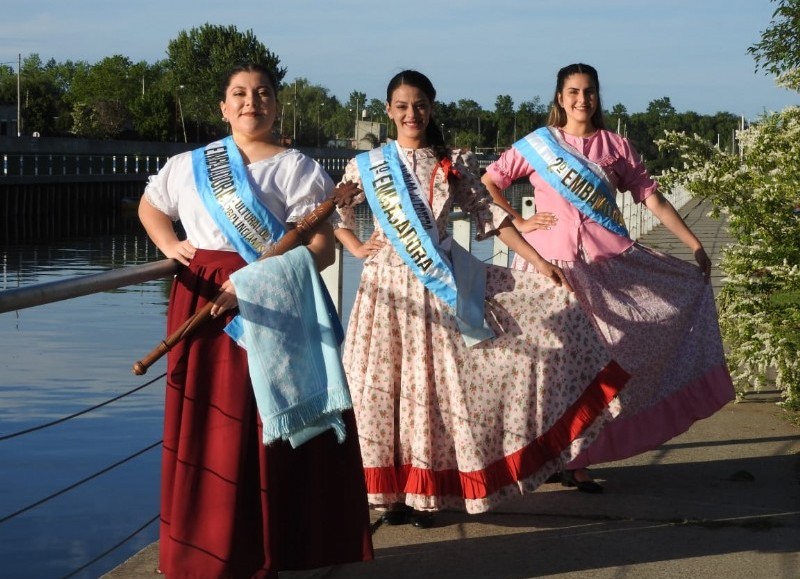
230	506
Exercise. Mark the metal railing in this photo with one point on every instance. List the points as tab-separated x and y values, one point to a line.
333	161
83	165
75	165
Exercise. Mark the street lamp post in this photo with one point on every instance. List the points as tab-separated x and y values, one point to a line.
515	128
319	106
19	106
294	116
179	114
355	126
283	110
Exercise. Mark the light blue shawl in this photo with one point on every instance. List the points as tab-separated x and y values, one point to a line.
292	340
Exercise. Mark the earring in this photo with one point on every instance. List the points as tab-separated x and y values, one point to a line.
224	119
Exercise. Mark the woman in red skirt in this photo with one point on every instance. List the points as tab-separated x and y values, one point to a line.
232	506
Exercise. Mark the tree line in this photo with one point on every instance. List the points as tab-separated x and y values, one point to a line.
175	99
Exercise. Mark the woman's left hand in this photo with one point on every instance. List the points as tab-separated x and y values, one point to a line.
372	245
704	262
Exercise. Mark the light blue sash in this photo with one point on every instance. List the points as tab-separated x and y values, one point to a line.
576	178
408	222
386	184
221	179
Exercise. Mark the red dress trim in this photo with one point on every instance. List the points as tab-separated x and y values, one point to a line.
515	467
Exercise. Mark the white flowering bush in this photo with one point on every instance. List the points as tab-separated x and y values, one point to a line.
758	191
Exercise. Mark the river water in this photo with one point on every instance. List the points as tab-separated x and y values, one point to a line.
79	496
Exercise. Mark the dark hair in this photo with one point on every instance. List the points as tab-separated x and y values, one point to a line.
558	116
433	134
249	67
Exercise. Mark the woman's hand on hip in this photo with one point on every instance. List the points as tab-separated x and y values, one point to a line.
183	251
536	221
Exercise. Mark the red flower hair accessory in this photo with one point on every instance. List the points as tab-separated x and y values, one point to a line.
449	170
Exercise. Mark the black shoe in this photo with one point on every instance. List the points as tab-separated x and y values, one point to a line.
420	519
397	514
585	486
556	477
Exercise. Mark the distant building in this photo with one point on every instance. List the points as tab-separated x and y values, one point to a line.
8	120
369	135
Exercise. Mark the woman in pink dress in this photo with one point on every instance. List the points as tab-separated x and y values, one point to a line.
444	423
655	312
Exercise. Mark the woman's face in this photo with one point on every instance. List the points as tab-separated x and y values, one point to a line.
250	104
578	97
410	109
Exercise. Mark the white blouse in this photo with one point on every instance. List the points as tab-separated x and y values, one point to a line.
290	184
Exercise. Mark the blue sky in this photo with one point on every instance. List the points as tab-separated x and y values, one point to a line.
692	51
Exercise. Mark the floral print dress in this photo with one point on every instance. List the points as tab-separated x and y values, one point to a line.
443	425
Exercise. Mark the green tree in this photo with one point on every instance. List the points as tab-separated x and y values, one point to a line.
617	119
304	111
62	75
376	109
152	107
644	129
531	115
8	87
198	61
40	95
8	84
504	120
778	51
446	116
466	124
101	96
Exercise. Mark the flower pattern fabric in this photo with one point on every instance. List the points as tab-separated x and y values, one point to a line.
446	426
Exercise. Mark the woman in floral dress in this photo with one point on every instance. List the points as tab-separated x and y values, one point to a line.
443	424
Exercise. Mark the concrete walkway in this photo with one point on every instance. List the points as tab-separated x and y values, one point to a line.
722	500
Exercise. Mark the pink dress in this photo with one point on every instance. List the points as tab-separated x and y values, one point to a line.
654	311
442	425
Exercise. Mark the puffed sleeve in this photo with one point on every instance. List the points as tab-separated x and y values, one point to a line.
509	167
471	195
633	175
161	191
347	217
306	185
